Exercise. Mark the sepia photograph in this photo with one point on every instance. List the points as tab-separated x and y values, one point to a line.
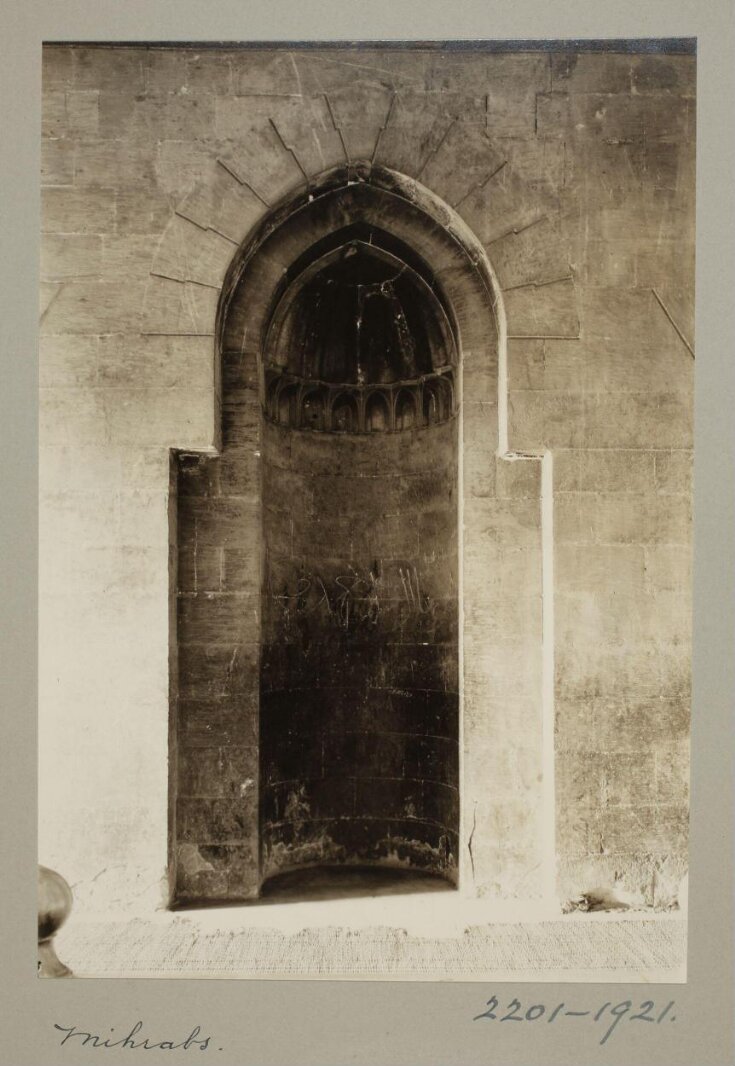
365	509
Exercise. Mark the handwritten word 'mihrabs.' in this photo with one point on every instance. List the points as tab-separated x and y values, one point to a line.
95	1040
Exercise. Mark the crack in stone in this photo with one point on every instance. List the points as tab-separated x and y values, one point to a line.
241	181
292	151
480	184
337	128
680	334
434	151
384	126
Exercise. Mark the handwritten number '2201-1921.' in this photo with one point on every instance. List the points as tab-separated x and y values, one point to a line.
514	1012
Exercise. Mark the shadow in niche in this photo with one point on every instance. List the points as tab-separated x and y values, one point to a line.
348	882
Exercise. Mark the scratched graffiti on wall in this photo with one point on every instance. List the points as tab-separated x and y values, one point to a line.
348	600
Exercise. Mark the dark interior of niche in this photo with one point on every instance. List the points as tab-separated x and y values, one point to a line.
359	613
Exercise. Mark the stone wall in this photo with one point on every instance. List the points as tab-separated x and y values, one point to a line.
576	174
359	707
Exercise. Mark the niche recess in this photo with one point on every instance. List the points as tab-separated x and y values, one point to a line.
358	699
317	709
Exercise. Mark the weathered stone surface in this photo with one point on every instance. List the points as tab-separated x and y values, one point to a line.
71	256
549	419
103	68
69	210
163	362
57	162
68	361
598	146
535	255
480	159
546	310
165	306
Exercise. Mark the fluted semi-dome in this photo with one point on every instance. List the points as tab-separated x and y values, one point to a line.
359	315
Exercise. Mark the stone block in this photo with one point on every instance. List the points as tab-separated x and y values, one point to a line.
209	71
241	426
71	416
53	114
69	256
622	421
92	306
68	361
218	720
187	71
607	263
196	475
587	518
669	569
526	363
615	616
176	418
264	73
239	472
322	71
512	522
212	617
142	210
510	114
306	126
153	117
501	203
653	829
480	159
360	113
165	70
217	670
57	162
534	255
614	365
127	256
588	671
481	71
611	117
419	110
497	620
218	773
518	479
548	310
580	72
241	569
215	821
199	570
71	210
479	471
189	253
645	880
172	307
159	362
668	74
408	148
252	148
112	163
221	522
599	570
674	472
671	778
216	872
604	470
619	724
180	166
552	114
56	67
82	114
119	69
